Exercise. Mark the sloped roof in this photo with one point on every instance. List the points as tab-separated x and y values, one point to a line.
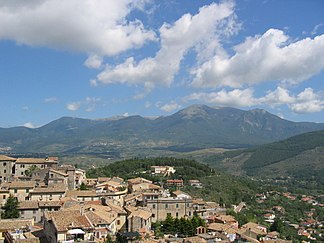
13	224
6	158
65	220
85	193
59	188
28	205
19	184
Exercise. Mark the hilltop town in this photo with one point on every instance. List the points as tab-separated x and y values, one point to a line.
58	203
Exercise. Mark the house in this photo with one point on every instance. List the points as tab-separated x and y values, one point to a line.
175	183
36	209
138	219
19	189
195	183
103	218
165	170
181	195
200	208
227	219
6	167
176	207
253	230
57	177
67	225
86	195
50	193
30	209
23	164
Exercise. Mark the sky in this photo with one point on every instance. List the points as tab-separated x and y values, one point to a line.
99	58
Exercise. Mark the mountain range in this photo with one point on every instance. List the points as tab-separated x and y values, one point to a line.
300	157
192	128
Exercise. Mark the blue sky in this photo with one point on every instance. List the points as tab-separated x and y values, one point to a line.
96	59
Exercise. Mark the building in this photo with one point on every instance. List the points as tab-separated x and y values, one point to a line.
23	164
50	193
6	168
175	207
138	219
165	170
19	189
174	183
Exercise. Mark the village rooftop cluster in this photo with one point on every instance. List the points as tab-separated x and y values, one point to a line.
54	206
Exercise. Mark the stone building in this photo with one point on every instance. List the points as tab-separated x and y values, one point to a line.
6	168
176	207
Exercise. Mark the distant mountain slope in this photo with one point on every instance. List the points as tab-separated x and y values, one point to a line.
301	156
197	126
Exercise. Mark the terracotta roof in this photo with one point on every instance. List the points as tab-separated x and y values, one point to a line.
34	161
65	220
59	188
58	172
138	180
116	208
137	212
13	224
6	158
28	205
226	218
19	184
218	227
45	204
84	193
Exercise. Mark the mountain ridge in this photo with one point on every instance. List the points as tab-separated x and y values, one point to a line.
198	126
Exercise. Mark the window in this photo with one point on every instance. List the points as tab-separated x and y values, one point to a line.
153	215
4	196
22	173
34	211
177	214
4	171
177	205
168	214
4	164
189	214
26	198
153	206
166	205
15	190
118	222
22	212
27	190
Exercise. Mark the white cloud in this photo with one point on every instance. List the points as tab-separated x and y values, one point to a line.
50	100
89	104
269	57
30	125
170	107
236	97
73	106
314	31
306	101
199	31
88	26
94	61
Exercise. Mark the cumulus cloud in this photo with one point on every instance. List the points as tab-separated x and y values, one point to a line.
306	101
236	97
99	27
270	57
73	106
200	30
89	104
93	61
30	125
172	106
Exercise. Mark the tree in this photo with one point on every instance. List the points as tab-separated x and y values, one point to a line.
30	170
10	208
83	187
